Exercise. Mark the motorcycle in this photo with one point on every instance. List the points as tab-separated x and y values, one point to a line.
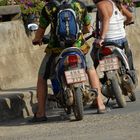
117	78
69	81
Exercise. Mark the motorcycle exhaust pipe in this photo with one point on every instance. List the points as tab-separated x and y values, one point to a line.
128	83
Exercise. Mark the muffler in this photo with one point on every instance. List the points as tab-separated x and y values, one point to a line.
128	83
89	94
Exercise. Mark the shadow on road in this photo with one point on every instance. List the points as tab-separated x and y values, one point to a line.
57	115
16	104
54	116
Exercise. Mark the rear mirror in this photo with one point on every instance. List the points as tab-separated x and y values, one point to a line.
32	27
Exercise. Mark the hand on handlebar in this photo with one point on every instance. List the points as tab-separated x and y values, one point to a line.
99	42
126	24
37	42
132	22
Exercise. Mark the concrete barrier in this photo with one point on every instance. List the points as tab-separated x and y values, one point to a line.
19	60
133	35
17	104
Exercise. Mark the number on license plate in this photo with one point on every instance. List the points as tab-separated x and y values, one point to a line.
75	76
109	64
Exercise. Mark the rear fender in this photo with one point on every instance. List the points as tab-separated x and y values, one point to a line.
61	64
113	74
76	85
120	53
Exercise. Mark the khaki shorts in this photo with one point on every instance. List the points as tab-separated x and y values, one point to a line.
47	66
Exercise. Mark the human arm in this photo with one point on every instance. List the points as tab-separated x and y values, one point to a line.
105	12
127	14
38	36
43	24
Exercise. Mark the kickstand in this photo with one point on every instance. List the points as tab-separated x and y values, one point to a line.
107	101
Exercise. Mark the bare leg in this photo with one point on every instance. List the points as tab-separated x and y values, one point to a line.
41	96
94	82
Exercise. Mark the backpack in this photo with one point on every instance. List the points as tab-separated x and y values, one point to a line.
67	27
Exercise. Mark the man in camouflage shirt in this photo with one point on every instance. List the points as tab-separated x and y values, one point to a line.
49	16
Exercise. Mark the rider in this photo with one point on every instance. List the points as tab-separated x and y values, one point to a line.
113	17
48	13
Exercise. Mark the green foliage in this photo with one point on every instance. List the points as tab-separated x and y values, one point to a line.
27	6
127	1
31	6
3	2
137	4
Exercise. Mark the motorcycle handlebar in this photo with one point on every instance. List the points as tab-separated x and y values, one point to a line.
36	42
45	40
93	34
132	22
88	37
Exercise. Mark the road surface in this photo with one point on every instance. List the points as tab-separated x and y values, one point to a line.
116	124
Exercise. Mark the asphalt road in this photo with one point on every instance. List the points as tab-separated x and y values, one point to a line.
116	124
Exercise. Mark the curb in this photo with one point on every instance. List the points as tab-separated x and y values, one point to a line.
21	103
17	104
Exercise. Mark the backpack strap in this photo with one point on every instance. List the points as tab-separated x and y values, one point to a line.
97	25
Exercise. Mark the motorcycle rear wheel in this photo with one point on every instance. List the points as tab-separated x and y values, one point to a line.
78	108
118	93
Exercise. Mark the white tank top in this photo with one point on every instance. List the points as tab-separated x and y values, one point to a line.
116	25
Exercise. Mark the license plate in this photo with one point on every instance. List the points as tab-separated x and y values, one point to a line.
75	76
109	64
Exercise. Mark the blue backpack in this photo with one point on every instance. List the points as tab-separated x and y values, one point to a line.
67	29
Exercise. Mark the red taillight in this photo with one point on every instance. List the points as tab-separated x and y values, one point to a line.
106	51
72	59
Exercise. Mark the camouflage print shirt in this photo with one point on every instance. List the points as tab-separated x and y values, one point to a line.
49	16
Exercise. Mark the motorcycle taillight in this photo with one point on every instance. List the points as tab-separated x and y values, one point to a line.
72	60
106	51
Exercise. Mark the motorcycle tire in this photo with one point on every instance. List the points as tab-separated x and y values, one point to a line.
132	96
78	108
118	93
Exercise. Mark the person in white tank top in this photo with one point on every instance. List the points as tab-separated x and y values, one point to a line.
116	24
112	18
